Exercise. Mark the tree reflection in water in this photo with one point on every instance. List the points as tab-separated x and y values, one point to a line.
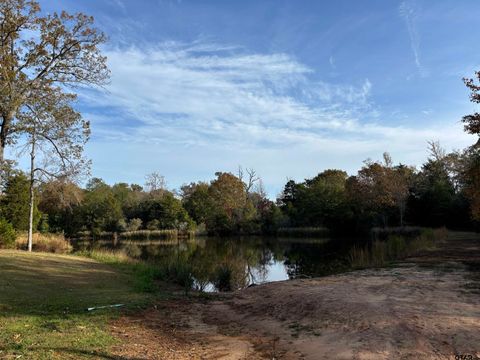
228	264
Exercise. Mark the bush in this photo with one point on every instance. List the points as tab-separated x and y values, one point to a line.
223	279
43	225
153	225
7	234
134	224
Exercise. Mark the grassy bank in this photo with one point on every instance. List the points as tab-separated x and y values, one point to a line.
146	276
43	302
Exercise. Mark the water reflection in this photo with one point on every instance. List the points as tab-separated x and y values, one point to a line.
226	264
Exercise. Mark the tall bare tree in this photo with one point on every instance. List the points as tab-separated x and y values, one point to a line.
249	179
40	54
56	134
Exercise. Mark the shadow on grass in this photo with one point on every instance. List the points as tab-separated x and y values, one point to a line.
87	353
38	284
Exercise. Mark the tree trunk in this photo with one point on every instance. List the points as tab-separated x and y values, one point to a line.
32	194
4	129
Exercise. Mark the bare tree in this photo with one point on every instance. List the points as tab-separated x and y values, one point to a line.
40	54
155	182
436	151
249	179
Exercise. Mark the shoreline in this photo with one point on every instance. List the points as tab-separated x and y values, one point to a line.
427	307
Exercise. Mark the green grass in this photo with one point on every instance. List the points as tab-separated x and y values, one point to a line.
146	276
43	302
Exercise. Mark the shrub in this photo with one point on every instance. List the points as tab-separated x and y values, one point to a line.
121	225
43	225
223	279
7	234
153	224
134	224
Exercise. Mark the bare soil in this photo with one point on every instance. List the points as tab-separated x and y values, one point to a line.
427	307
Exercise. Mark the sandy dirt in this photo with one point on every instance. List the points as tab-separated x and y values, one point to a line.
425	308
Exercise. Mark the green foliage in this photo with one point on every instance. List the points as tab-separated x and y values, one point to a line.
43	225
59	200
15	204
7	234
197	201
228	196
165	212
317	202
225	206
100	209
134	224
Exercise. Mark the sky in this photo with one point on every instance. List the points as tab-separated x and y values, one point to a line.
289	88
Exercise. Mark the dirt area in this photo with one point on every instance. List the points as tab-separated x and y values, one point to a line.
427	307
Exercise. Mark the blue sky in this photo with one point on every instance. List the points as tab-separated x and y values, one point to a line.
289	88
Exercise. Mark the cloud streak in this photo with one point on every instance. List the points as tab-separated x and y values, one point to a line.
409	12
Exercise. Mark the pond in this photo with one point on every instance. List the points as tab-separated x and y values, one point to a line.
226	264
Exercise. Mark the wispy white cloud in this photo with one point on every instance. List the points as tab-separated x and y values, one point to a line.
204	100
210	90
409	12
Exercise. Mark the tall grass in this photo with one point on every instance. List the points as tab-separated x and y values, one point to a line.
51	243
395	247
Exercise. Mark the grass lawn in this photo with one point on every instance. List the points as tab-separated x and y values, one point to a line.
43	302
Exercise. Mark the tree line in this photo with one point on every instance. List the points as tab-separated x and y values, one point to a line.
443	192
226	205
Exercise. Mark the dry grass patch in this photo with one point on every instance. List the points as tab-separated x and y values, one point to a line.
50	243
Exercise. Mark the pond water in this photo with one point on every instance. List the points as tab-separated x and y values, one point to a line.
225	264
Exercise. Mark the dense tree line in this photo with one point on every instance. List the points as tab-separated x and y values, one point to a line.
225	205
443	192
